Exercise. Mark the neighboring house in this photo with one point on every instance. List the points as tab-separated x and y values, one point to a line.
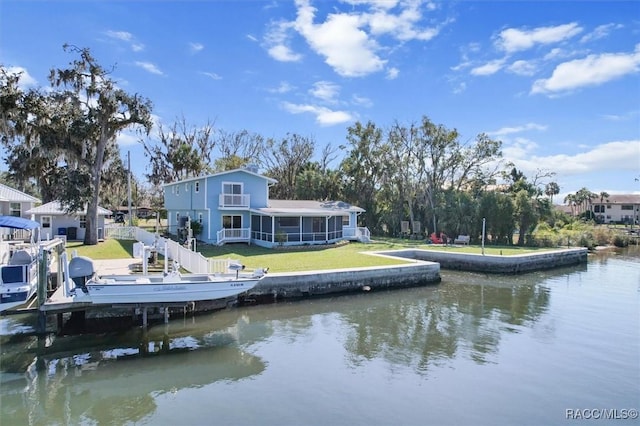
14	203
618	208
234	206
55	221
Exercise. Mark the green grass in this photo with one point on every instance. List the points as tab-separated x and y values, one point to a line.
301	258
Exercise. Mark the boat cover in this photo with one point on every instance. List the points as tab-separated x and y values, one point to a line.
17	223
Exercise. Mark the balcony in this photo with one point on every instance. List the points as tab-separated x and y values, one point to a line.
234	201
235	235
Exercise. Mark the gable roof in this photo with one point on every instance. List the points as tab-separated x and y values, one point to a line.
308	207
226	172
54	208
9	194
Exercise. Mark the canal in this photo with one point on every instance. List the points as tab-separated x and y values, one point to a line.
551	347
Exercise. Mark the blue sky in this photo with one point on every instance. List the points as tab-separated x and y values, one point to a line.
558	82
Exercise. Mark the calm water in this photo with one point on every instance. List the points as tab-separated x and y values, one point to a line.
474	350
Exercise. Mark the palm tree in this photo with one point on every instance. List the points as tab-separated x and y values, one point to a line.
551	189
571	201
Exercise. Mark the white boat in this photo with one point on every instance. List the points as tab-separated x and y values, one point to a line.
174	287
19	275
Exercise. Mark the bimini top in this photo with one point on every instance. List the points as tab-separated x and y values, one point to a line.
17	223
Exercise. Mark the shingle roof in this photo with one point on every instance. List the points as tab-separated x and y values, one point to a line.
55	209
9	194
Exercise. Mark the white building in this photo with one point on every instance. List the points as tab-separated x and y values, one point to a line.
618	208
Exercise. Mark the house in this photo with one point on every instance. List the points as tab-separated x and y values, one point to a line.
234	206
618	208
55	221
14	203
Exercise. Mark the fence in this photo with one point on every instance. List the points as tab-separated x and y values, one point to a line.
190	260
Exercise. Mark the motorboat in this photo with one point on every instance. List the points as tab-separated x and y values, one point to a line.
18	274
84	285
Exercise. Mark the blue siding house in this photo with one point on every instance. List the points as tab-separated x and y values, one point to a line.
234	206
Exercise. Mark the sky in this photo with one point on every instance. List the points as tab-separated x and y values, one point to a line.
558	82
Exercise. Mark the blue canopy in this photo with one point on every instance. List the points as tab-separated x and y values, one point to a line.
17	223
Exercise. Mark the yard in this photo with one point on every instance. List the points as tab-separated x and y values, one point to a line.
297	259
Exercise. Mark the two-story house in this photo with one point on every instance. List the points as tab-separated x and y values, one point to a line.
234	206
618	208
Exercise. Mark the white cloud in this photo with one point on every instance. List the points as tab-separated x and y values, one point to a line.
324	116
26	81
617	155
489	68
127	139
148	66
601	31
283	87
521	67
590	71
350	42
325	90
277	41
514	40
518	129
196	47
211	75
346	48
126	37
361	100
392	73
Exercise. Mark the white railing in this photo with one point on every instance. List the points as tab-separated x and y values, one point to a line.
360	234
235	234
234	200
190	260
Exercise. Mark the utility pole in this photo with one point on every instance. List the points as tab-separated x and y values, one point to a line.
129	186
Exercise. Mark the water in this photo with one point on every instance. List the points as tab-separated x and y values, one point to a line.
476	349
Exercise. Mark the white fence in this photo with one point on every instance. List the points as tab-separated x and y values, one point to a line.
190	260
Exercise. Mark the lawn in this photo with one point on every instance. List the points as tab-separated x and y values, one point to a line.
298	259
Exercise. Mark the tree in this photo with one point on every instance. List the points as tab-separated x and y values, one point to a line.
181	152
285	160
239	149
551	189
68	133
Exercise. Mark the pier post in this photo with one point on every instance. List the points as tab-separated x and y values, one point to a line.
166	315
144	317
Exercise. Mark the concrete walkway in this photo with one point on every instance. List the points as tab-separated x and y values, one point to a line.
114	266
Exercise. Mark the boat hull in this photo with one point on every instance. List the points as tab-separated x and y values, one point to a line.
148	290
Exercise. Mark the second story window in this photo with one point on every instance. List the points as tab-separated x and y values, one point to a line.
197	186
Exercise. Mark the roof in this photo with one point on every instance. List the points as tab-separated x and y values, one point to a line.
9	194
226	172
54	208
618	199
308	208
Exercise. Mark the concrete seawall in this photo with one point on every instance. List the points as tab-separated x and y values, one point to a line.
513	264
314	283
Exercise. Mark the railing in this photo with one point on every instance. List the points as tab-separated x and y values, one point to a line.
190	260
234	200
234	234
360	234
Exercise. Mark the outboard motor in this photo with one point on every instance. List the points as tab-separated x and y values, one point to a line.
81	269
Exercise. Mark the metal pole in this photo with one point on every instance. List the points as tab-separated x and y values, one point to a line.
129	186
484	222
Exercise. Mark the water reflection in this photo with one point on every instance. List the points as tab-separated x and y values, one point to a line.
113	379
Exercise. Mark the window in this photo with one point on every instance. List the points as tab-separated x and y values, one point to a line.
15	210
83	221
626	207
232	188
231	222
197	186
200	217
177	190
345	221
318	224
598	208
45	222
